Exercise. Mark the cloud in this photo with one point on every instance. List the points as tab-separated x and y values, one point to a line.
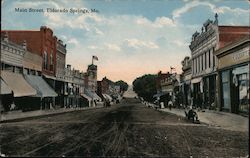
158	23
92	47
73	41
113	47
180	43
135	43
164	21
188	7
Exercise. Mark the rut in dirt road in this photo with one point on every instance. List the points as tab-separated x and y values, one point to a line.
108	138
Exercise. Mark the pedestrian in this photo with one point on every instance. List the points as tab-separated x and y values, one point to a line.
91	103
95	103
170	104
192	115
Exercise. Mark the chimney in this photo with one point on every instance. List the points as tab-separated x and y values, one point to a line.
5	38
24	45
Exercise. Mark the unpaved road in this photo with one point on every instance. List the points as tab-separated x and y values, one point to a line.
126	129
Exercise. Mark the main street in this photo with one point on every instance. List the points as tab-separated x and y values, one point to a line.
125	129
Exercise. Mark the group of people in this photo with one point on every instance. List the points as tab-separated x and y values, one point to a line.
190	113
107	103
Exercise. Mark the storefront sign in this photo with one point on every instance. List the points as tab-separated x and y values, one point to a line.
234	58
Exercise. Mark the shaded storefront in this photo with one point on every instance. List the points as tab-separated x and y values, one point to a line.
197	89
233	71
21	93
44	92
209	91
6	96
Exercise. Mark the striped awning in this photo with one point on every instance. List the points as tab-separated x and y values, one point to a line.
86	96
18	84
4	88
42	87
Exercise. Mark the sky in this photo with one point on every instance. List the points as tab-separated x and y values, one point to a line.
130	38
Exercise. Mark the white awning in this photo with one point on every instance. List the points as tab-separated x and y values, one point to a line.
4	88
196	80
85	96
50	77
18	84
42	87
92	95
108	97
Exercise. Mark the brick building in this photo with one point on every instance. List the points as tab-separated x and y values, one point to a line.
41	42
22	86
204	62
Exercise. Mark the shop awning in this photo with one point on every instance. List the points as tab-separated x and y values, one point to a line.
85	96
92	95
18	84
159	94
4	88
196	80
50	77
38	83
106	96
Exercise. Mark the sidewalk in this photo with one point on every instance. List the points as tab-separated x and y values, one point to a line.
219	119
14	115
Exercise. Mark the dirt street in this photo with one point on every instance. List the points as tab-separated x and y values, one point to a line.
125	129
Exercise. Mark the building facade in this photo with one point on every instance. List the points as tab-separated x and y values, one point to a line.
41	42
21	73
92	77
186	81
233	76
204	62
60	81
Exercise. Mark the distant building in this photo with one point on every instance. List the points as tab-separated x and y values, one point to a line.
167	87
186	80
160	77
107	89
60	82
60	59
92	77
204	62
233	76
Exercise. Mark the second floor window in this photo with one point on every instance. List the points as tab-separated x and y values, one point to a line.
45	60
51	58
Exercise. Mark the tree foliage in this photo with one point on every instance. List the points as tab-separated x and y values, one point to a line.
123	85
145	86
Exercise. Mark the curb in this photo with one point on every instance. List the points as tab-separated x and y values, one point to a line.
46	114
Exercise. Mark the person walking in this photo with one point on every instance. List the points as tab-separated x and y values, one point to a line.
170	104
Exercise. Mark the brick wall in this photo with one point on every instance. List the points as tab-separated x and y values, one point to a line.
37	42
229	34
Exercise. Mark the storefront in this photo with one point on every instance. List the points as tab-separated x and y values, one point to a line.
209	91
197	90
233	70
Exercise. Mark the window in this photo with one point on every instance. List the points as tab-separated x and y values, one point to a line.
209	60
201	62
45	60
205	60
196	65
51	58
226	90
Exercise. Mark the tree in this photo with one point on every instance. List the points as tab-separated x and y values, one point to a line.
145	86
123	85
